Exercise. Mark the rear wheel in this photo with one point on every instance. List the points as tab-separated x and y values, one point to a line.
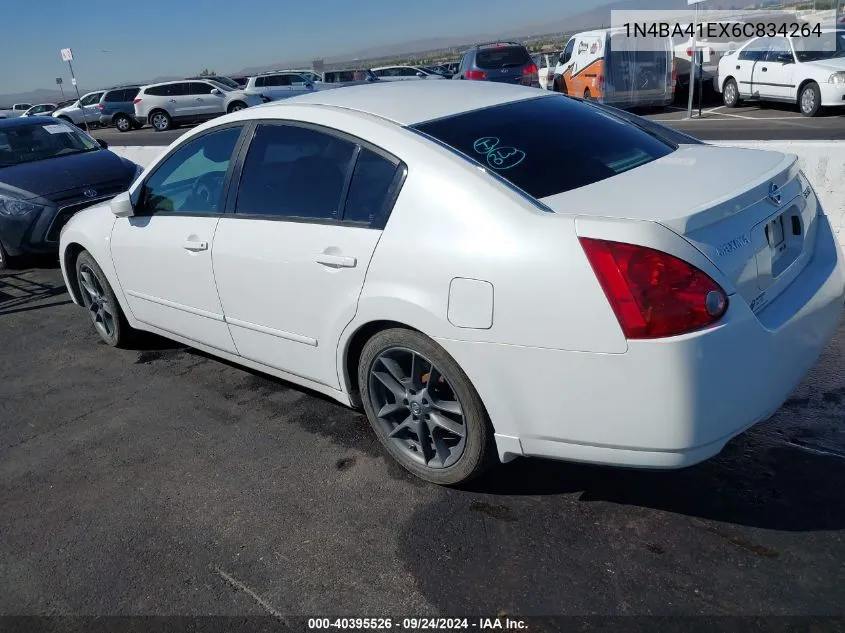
103	308
810	99
730	94
161	121
123	123
562	89
423	408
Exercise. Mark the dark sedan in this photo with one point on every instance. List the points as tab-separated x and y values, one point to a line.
49	170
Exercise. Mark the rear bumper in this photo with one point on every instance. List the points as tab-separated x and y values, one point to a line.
662	404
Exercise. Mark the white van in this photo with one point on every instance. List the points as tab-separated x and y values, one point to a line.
610	67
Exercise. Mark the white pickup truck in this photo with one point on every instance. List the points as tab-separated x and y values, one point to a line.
16	110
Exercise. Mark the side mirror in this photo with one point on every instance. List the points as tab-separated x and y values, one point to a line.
216	92
121	205
421	75
102	143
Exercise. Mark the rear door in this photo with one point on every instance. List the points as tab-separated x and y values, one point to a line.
203	105
503	63
291	258
746	62
180	103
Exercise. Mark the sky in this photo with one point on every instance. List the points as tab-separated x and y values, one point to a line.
114	42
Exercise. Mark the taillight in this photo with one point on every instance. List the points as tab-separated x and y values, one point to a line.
530	69
136	100
475	74
652	293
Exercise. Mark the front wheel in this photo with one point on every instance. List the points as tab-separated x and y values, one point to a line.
423	408
100	302
730	94
237	106
810	99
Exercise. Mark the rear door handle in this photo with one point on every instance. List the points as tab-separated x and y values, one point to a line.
765	70
336	261
737	67
173	101
195	246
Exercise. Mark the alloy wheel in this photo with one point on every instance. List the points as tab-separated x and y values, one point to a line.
99	308
808	100
159	122
417	408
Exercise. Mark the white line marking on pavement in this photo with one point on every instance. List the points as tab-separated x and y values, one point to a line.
237	584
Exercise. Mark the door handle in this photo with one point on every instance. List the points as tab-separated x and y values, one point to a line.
765	70
199	98
173	101
737	67
336	261
195	246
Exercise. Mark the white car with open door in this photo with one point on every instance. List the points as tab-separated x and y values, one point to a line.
806	71
607	291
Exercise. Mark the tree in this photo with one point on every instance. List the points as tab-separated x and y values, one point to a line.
207	73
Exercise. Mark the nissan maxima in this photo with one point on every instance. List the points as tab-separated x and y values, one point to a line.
49	170
597	289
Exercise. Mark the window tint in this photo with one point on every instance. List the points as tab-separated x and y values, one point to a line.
567	52
756	50
293	171
260	82
91	99
502	57
177	90
156	91
200	88
779	51
579	146
191	179
370	185
114	96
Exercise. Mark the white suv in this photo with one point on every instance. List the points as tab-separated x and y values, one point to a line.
171	103
280	85
404	73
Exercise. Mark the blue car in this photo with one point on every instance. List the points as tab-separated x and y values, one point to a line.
117	108
49	170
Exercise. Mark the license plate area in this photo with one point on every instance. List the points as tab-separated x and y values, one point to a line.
784	243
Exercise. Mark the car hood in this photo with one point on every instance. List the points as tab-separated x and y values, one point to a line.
835	65
45	178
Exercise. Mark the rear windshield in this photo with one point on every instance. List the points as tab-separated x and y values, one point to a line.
549	145
502	57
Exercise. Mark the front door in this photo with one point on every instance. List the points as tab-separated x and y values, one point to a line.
202	105
290	261
162	255
773	76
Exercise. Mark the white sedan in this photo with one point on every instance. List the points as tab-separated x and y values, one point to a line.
807	71
484	290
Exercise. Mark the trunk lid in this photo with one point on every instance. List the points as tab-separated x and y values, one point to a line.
750	212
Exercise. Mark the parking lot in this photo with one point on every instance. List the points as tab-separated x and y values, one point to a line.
161	481
749	122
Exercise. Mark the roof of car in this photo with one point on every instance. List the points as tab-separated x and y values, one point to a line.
412	102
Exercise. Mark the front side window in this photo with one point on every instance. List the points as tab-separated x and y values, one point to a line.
779	51
191	179
91	99
567	52
294	172
30	143
200	88
543	160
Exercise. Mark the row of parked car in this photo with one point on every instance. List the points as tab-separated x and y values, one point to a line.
196	99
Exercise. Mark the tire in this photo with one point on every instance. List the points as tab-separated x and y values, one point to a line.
6	261
588	96
237	106
160	121
102	306
730	93
562	89
810	99
423	414
122	122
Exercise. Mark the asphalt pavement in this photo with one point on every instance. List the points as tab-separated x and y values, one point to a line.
161	481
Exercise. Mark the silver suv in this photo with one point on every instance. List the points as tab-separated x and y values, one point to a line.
166	105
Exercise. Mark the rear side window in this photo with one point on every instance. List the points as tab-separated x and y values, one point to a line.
502	57
549	145
370	187
114	96
156	91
